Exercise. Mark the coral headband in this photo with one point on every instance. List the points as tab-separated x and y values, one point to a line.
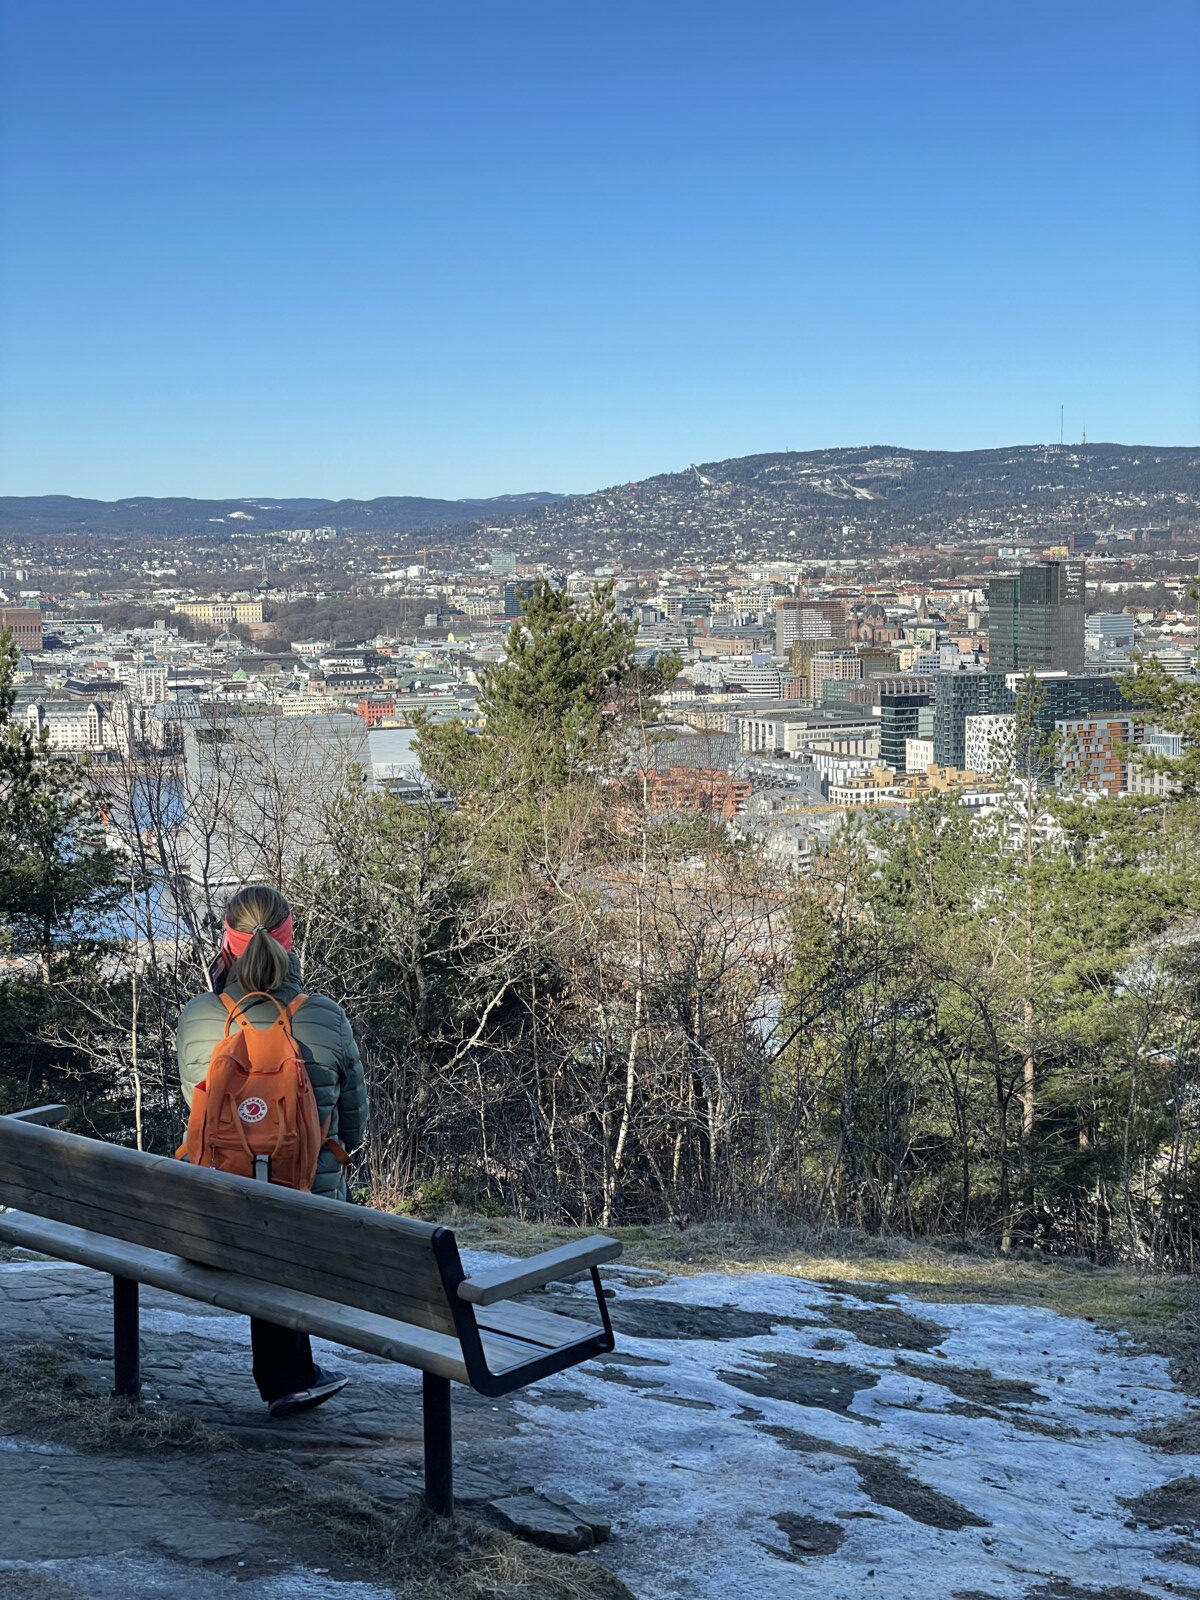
233	942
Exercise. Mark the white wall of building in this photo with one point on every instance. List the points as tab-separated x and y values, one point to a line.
989	741
918	755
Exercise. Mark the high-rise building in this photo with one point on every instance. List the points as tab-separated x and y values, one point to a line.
1111	627
900	719
1091	751
787	625
804	650
1035	620
989	742
1071	697
807	619
832	664
821	617
515	594
26	625
959	695
1065	701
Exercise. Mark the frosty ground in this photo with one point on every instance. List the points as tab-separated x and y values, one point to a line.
753	1430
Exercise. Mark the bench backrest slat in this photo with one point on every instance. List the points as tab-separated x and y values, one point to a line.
324	1247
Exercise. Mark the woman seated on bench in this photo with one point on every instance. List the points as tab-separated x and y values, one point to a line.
255	984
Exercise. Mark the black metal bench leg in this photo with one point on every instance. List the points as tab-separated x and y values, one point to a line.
439	1458
126	1354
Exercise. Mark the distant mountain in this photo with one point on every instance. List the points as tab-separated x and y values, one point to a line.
824	502
59	513
810	502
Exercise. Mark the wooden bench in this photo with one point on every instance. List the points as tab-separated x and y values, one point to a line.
385	1284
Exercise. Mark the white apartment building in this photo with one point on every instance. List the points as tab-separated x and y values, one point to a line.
81	726
1178	661
303	703
835	767
1157	742
918	755
147	684
989	741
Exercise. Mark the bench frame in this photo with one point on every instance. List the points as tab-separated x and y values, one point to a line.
463	1294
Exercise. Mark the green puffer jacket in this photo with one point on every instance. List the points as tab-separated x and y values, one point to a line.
323	1033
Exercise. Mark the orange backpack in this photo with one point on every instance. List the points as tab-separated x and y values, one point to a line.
255	1113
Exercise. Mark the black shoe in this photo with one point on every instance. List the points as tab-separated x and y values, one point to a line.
326	1386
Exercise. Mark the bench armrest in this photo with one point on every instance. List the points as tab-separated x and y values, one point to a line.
501	1283
44	1116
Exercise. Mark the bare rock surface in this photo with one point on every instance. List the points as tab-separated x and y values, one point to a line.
751	1432
185	1525
561	1525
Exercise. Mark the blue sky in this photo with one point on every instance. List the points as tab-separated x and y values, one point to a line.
453	249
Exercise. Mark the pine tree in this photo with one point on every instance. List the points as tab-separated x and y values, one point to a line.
57	881
557	706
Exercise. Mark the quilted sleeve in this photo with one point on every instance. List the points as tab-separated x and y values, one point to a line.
201	1024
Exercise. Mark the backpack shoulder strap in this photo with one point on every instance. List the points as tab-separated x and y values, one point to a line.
290	1010
236	1013
235	1008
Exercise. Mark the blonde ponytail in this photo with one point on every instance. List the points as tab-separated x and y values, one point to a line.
263	965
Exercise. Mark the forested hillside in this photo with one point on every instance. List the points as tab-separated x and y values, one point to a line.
824	502
179	517
795	500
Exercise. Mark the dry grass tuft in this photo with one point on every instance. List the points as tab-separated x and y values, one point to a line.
424	1557
1180	1437
420	1556
43	1397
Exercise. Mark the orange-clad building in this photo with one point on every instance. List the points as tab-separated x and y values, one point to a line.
1091	753
376	708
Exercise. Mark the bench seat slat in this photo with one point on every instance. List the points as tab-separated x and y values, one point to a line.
363	1258
414	1346
546	1329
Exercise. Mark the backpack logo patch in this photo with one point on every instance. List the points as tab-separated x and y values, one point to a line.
252	1109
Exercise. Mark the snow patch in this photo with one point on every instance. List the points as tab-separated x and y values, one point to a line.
693	1490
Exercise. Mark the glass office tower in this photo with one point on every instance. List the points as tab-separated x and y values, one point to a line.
1035	619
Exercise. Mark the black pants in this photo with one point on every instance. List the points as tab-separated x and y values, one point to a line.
283	1362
